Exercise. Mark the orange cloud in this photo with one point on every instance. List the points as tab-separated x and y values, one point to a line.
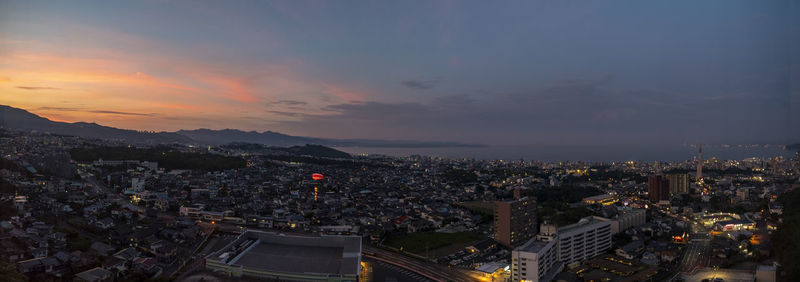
175	87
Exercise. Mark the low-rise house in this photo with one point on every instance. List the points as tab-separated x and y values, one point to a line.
38	252
96	274
31	266
146	265
105	223
101	248
115	265
630	250
10	250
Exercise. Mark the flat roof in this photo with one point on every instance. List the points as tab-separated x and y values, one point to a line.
581	223
275	252
293	258
491	267
533	246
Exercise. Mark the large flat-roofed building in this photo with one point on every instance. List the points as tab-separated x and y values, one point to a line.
589	237
289	257
604	199
515	221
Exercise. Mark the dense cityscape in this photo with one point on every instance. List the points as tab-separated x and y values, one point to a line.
89	210
400	141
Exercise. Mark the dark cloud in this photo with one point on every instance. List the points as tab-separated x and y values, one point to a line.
568	111
121	113
289	114
287	103
37	88
62	109
422	84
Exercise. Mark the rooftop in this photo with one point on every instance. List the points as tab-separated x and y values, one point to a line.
586	221
533	246
293	254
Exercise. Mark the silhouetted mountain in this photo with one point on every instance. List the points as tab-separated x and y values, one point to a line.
315	151
19	119
226	136
306	150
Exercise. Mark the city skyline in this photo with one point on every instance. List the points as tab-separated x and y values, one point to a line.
540	73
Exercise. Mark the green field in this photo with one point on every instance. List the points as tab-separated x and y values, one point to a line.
418	242
481	207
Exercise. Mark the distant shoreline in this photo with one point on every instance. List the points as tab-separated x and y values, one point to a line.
578	153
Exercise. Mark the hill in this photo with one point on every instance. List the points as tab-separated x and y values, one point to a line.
20	119
315	151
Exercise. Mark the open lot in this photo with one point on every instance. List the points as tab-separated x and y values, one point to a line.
481	207
418	243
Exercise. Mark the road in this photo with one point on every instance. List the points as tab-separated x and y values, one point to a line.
101	188
697	253
429	270
728	275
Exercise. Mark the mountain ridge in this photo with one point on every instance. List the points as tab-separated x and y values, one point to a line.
20	119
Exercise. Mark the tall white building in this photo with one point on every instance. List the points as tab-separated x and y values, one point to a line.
537	259
580	241
541	258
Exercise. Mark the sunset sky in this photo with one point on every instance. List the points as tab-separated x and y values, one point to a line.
475	71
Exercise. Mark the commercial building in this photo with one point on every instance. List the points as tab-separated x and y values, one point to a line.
604	199
678	183
734	225
283	257
515	221
657	188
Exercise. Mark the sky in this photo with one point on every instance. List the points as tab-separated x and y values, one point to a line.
509	73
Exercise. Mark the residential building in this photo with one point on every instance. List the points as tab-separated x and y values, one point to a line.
589	237
514	221
626	219
537	259
678	183
657	188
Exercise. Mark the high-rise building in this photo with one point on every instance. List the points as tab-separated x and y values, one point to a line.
657	188
699	163
515	221
678	183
